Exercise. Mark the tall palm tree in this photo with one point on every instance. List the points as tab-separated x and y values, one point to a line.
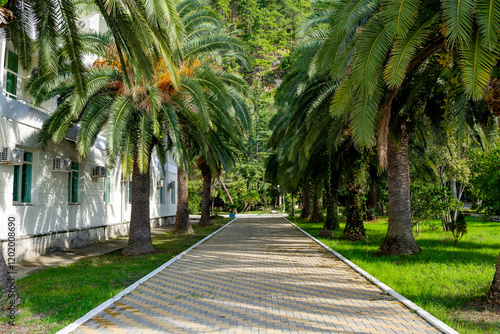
139	114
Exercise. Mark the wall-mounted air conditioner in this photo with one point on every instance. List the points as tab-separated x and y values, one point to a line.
84	24
60	164
13	156
160	183
99	171
171	185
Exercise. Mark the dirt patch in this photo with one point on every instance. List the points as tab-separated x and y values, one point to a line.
480	314
29	325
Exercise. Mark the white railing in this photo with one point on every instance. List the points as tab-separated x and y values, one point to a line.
27	102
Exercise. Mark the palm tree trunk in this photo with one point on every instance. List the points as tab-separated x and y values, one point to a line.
317	209
354	169
139	240
332	198
399	239
371	202
9	295
306	200
182	223
206	172
494	294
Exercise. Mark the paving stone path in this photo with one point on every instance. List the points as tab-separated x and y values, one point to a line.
257	276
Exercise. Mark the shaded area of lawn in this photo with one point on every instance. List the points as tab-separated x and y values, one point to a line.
56	297
448	281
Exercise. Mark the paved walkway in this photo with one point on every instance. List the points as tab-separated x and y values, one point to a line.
258	275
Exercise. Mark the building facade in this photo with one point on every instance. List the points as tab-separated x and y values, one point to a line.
59	200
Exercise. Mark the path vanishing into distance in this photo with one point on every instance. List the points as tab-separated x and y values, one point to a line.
258	275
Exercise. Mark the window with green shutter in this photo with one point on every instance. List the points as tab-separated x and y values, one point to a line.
22	180
162	194
73	183
12	66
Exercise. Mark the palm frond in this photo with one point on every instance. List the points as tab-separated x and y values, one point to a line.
477	62
458	18
403	52
488	19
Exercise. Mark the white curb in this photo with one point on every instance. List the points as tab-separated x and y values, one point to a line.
71	327
412	306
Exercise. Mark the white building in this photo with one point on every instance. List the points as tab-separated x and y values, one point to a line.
59	200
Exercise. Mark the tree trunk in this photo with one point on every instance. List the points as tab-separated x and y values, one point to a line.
9	294
399	239
371	202
494	294
182	223
354	169
139	239
227	194
332	198
206	172
317	209
306	200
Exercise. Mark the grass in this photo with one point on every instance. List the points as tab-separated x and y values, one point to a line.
55	297
448	281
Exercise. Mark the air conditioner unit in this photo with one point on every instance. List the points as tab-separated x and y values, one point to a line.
171	185
60	164
13	156
160	183
99	171
126	178
35	71
84	24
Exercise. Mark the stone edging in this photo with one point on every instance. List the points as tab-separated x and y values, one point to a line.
405	301
71	327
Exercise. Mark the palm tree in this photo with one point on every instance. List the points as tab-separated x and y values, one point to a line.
139	114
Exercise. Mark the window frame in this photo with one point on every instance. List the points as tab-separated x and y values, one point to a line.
12	95
73	177
21	172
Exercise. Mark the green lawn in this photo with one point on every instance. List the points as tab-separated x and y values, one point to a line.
55	297
448	281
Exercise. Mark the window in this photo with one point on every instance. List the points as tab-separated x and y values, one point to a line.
172	193
73	183
162	193
22	180
12	66
107	187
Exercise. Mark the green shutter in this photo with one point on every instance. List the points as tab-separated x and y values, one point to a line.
26	184
12	65
74	190
69	187
107	188
11	85
12	62
15	193
28	156
161	195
